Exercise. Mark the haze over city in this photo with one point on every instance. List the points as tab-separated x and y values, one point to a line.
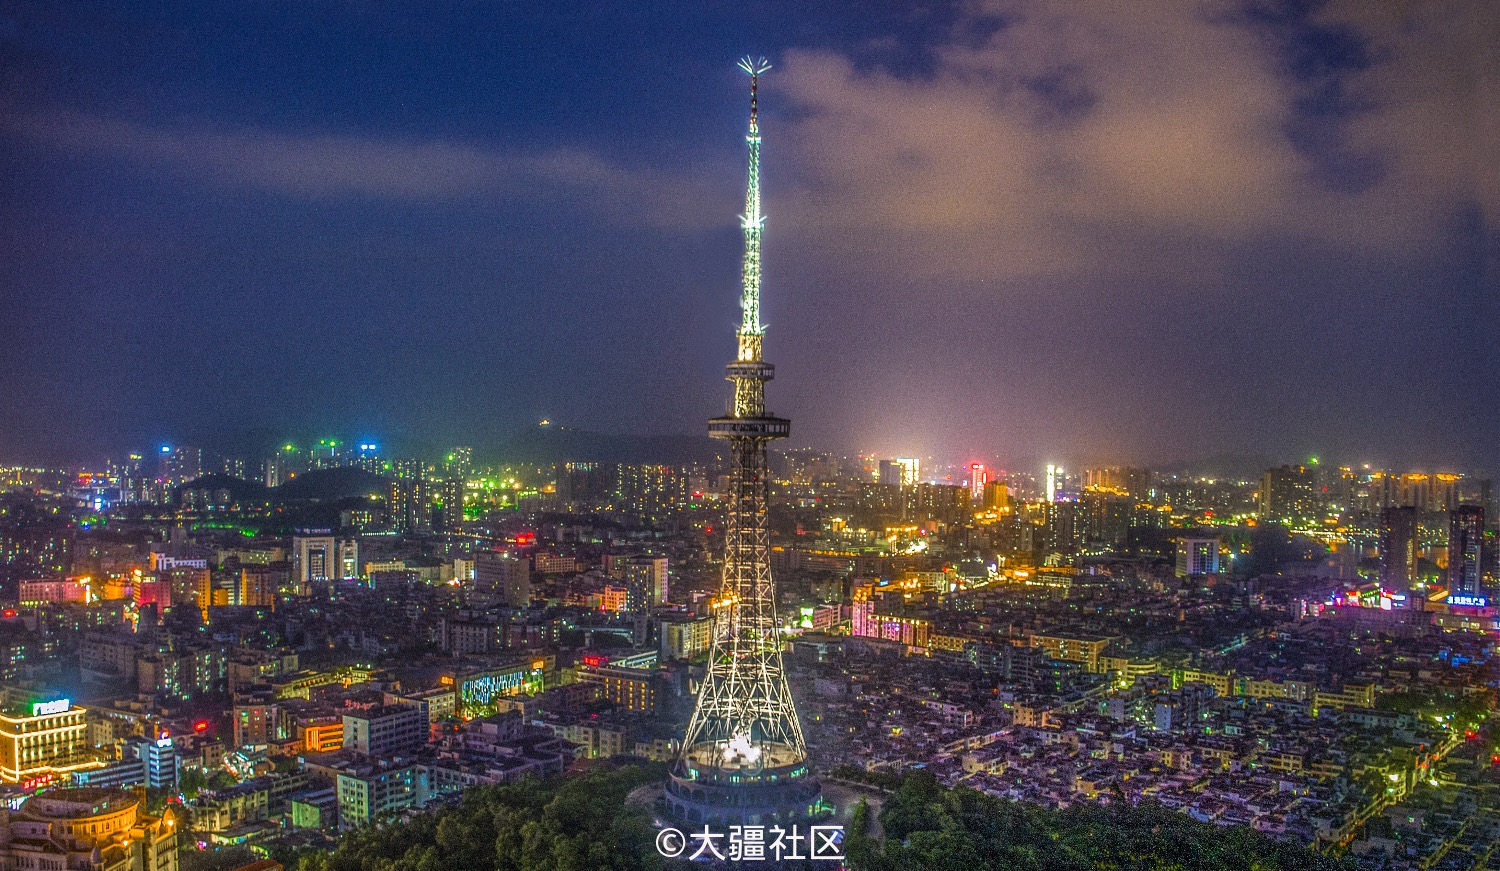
1041	230
1104	476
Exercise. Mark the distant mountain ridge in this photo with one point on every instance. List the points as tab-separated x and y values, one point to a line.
543	445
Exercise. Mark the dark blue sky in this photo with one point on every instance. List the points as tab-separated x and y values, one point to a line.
1014	229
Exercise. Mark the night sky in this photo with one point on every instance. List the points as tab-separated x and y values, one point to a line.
1081	231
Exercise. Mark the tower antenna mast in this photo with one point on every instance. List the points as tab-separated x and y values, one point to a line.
743	758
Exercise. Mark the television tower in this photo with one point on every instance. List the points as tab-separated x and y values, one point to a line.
743	758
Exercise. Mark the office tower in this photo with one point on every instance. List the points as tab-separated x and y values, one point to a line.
1398	547
1465	554
890	473
743	758
42	738
911	470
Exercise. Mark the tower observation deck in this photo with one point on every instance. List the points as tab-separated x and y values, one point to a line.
743	758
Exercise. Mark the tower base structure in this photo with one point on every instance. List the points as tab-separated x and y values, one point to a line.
770	784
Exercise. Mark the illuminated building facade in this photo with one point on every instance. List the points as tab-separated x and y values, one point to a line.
178	465
452	500
480	691
368	792
321	558
743	757
43	739
996	496
633	689
686	638
978	477
258	586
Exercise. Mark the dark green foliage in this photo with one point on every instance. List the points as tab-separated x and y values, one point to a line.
928	827
573	824
582	823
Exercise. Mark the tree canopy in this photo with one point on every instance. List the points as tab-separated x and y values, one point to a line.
929	827
569	824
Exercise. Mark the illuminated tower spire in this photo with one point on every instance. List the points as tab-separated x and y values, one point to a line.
753	223
743	758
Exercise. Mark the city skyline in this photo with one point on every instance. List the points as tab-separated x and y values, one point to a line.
357	509
997	229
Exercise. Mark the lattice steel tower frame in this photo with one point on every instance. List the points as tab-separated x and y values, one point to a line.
743	757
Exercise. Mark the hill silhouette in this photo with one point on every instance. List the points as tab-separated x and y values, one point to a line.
544	445
321	485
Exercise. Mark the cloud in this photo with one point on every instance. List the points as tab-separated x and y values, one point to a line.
1146	138
329	166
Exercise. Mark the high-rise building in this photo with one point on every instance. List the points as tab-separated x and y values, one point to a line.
1465	554
996	496
651	575
460	462
978	477
1054	481
1197	555
1133	480
259	585
1286	495
1107	518
180	464
453	504
159	756
743	758
1398	547
407	499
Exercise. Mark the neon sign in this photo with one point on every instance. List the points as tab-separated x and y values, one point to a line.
1468	600
42	709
